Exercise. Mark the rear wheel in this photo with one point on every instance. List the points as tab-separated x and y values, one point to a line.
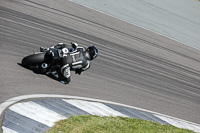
33	59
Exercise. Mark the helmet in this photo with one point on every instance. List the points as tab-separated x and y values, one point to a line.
93	52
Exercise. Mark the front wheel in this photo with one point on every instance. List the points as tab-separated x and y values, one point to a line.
33	59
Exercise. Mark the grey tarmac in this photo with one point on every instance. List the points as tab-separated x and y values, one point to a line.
135	66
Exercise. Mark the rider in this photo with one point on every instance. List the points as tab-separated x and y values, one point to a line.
76	58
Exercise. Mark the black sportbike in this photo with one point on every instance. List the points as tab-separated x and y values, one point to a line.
58	61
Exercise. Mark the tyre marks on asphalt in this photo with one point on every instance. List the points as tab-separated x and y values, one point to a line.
39	115
135	67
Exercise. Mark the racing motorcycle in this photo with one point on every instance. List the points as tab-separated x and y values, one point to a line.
59	60
49	62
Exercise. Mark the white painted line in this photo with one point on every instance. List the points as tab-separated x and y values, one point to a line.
8	130
179	123
37	112
95	108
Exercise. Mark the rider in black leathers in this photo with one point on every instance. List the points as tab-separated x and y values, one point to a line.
62	60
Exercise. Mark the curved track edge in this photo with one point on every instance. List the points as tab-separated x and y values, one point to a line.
79	101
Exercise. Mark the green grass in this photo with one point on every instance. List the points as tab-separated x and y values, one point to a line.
97	124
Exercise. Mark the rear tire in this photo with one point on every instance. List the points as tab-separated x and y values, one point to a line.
33	59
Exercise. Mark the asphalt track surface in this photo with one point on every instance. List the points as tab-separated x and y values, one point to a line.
135	66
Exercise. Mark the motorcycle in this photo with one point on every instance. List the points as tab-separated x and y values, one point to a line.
52	62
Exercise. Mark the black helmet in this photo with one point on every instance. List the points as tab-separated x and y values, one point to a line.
93	51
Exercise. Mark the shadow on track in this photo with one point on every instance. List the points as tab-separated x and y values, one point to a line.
36	71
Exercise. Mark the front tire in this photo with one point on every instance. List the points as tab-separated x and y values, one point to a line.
33	59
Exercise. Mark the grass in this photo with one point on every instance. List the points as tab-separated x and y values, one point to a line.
97	124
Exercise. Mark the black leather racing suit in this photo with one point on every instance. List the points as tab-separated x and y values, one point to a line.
78	60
